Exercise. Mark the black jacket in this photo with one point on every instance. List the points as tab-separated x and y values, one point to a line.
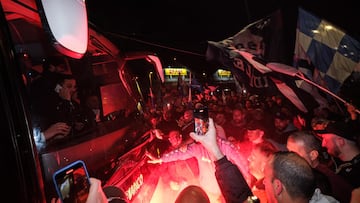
232	183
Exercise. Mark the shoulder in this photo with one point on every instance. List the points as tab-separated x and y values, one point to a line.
220	132
320	197
225	144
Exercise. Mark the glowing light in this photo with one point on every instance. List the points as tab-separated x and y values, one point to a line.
175	71
316	31
328	27
222	72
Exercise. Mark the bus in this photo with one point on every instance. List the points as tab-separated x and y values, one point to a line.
39	38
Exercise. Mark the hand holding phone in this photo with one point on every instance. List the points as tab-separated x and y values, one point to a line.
201	120
58	88
72	182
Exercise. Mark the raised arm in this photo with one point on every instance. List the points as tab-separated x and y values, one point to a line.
231	181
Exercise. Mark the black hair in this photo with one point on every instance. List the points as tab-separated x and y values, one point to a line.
295	174
308	138
192	193
62	77
266	147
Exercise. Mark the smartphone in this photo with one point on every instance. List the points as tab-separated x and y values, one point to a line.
201	120
72	182
58	88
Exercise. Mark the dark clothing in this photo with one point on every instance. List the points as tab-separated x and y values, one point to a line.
187	129
279	138
89	117
158	147
282	136
236	131
333	185
232	183
53	109
350	171
48	107
322	182
167	125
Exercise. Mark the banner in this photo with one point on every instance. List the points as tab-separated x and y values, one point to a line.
246	54
251	39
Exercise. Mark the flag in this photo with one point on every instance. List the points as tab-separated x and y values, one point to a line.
323	52
251	38
196	85
246	54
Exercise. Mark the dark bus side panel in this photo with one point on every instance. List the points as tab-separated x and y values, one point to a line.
20	165
99	153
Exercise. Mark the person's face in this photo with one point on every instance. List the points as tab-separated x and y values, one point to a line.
253	135
179	108
70	84
248	104
319	126
188	115
299	148
220	118
175	138
153	121
238	116
269	182
167	115
278	100
257	162
280	124
330	142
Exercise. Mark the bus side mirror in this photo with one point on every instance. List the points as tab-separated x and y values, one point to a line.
67	24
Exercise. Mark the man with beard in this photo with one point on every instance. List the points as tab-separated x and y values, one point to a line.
340	141
309	147
235	128
283	127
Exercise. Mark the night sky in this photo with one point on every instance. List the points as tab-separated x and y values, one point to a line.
181	29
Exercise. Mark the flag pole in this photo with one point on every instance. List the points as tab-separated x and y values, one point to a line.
189	99
301	76
289	70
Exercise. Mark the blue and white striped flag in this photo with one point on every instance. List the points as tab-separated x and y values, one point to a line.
330	54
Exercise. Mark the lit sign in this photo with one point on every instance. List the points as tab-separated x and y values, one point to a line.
131	191
175	71
222	73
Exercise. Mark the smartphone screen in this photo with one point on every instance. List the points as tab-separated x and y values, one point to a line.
72	182
201	120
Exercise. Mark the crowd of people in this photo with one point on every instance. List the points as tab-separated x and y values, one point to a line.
255	146
322	148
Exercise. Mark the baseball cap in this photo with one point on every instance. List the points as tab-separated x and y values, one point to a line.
341	129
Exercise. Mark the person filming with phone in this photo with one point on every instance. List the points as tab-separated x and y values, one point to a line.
207	178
